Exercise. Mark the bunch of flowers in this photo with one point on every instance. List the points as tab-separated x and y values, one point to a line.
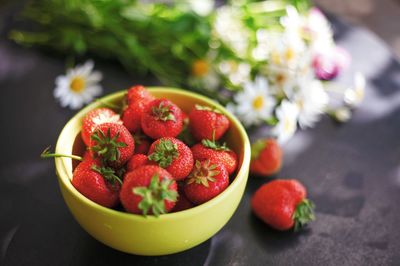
269	62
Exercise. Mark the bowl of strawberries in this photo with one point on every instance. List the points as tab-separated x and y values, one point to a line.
152	171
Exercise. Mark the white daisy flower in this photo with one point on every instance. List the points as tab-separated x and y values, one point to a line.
204	75
237	73
353	96
230	29
79	86
286	114
254	103
311	100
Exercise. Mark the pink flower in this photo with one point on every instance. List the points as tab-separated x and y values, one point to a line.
327	65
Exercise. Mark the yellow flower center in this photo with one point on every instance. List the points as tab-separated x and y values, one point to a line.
288	125
258	102
200	68
280	78
275	57
289	54
77	84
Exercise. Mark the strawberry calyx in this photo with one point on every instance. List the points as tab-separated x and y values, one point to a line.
202	173
164	153
257	147
155	194
212	144
163	112
108	174
303	214
106	146
206	108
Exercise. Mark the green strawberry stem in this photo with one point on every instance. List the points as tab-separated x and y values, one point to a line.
46	154
257	147
155	194
212	144
202	173
106	146
108	174
164	153
163	113
303	214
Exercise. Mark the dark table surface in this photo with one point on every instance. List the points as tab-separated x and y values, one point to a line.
352	172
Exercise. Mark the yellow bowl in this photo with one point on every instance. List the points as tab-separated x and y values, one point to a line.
169	233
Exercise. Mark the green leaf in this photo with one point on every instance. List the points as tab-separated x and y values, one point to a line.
165	152
303	214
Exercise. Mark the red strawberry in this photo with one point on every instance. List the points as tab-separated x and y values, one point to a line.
182	204
206	181
207	123
172	155
282	204
149	190
113	143
266	157
138	93
132	114
97	183
94	118
162	118
142	143
210	150
136	161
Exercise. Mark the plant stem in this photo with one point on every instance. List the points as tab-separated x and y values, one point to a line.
46	154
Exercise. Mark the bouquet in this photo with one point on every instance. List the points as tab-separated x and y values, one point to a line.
270	62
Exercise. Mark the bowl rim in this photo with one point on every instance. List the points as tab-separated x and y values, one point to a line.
241	174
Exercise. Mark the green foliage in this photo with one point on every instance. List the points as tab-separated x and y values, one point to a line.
164	153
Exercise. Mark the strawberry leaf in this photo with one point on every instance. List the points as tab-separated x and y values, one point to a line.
303	214
155	194
214	145
107	147
202	173
164	153
108	174
163	112
257	147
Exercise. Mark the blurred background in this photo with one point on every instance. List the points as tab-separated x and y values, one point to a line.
380	16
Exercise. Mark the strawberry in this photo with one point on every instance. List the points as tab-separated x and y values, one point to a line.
113	143
207	123
132	114
282	204
136	161
210	150
94	118
142	143
172	155
138	93
206	181
148	189
266	157
97	183
182	203
162	118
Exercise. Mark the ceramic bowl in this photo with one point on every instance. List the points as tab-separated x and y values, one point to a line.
168	233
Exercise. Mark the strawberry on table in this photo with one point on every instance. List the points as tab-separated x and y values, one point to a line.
266	157
136	161
172	155
206	181
149	190
162	118
282	204
94	118
207	123
113	143
210	150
